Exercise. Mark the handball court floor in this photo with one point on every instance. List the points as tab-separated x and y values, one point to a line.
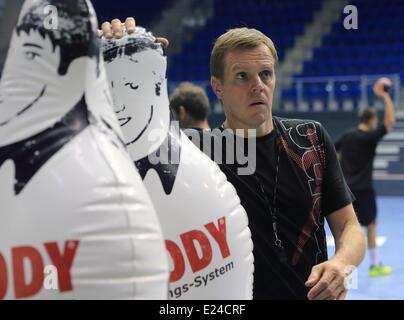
390	243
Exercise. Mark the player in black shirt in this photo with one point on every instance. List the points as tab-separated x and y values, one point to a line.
297	181
296	186
357	149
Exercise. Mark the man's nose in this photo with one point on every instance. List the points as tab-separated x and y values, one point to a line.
257	85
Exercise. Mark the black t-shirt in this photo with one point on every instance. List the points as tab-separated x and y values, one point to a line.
310	185
357	149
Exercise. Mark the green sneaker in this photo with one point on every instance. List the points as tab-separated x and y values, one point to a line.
380	270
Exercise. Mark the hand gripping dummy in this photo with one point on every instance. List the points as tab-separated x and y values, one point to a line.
76	220
205	227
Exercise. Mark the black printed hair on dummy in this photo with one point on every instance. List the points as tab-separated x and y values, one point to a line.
75	34
114	49
130	45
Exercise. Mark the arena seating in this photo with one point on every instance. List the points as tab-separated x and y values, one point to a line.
145	12
283	21
376	47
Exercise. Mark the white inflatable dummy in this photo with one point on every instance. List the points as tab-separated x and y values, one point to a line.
75	219
205	227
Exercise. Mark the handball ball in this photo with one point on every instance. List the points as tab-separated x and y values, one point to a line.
382	84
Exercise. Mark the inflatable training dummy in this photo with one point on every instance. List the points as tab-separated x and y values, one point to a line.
205	228
75	219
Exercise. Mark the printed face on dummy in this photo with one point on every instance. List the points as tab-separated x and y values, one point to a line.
29	52
140	98
35	93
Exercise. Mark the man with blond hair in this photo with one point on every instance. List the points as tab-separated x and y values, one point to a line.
297	182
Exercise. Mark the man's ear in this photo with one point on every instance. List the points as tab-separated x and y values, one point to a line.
217	87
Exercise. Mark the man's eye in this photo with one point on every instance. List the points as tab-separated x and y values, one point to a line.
131	85
241	76
30	55
266	74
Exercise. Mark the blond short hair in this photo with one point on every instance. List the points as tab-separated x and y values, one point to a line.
238	38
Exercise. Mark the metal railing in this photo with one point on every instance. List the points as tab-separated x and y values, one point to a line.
334	87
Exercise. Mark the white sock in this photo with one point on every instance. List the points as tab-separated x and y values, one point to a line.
374	261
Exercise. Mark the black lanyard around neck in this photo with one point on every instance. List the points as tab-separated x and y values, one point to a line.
278	246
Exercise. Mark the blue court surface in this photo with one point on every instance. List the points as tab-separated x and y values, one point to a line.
390	242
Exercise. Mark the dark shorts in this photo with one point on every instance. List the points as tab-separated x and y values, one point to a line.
365	206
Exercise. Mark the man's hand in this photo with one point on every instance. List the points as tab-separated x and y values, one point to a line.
327	281
116	29
382	87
